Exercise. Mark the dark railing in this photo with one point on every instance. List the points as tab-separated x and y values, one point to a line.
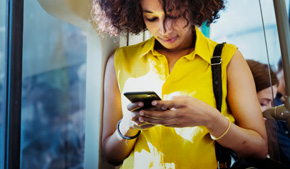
14	82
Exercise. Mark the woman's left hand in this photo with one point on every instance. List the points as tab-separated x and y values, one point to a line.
183	111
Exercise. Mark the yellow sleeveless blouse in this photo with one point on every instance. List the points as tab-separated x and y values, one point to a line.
141	68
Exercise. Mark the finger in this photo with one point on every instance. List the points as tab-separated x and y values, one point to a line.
137	123
134	116
156	108
141	125
164	104
135	106
157	114
146	126
166	122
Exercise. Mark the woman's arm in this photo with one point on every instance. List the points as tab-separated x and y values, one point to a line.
114	147
249	137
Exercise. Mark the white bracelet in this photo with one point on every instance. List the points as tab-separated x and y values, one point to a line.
125	137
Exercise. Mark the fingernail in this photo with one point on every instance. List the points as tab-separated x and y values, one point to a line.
141	119
154	103
163	108
141	113
140	104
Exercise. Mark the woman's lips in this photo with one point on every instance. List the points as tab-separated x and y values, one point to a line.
169	40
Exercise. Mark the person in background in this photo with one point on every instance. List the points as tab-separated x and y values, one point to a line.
180	130
282	126
266	89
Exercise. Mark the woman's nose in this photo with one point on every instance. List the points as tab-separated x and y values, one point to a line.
165	26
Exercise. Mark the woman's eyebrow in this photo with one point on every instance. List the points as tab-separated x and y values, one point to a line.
146	11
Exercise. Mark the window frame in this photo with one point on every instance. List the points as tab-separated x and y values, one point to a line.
14	40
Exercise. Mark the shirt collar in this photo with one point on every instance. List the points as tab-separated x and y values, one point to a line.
202	47
148	46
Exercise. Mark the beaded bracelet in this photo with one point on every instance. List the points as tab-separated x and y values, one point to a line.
228	128
125	137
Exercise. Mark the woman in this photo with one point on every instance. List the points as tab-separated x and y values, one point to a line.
175	63
266	89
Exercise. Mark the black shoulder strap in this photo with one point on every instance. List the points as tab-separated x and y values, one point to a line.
222	155
216	61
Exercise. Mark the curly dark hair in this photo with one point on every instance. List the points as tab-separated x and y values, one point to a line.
118	16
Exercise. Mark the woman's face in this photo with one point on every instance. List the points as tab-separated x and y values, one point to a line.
265	97
174	34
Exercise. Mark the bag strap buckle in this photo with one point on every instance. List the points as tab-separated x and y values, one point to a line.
216	60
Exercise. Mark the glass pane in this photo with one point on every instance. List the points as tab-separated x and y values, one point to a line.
245	29
3	15
53	92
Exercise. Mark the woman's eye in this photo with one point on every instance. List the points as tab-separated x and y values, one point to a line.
151	19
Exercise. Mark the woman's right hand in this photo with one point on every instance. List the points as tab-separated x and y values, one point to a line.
130	123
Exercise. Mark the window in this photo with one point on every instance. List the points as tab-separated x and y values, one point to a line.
244	28
53	91
3	17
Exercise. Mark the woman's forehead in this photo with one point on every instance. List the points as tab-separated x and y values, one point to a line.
151	5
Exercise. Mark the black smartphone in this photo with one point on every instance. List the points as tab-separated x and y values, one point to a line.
146	97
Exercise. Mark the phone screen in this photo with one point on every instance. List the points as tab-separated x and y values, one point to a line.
145	97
